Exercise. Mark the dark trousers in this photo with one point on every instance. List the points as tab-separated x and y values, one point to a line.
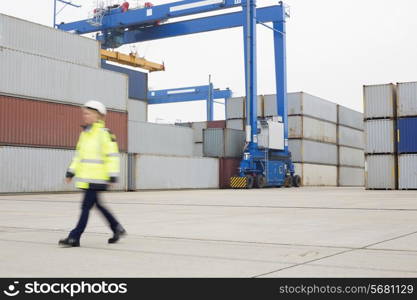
91	198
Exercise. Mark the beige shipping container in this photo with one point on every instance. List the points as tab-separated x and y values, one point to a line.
316	175
309	128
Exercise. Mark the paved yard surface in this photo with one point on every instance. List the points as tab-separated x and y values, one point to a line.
306	232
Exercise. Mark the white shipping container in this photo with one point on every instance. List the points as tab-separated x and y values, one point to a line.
137	110
168	172
42	40
379	136
198	149
407	99
316	175
380	172
350	137
378	100
351	157
198	131
151	138
236	107
238	124
309	128
407	171
28	170
349	117
351	176
301	103
38	77
313	152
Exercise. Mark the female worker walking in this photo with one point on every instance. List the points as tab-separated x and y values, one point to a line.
95	165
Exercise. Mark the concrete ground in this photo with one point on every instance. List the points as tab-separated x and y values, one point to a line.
305	232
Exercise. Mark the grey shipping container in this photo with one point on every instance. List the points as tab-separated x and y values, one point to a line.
379	136
380	172
236	107
407	99
137	110
154	138
174	172
301	103
407	171
309	128
379	101
351	157
198	131
313	152
351	176
316	175
198	149
350	137
21	168
223	142
349	117
37	77
45	41
238	124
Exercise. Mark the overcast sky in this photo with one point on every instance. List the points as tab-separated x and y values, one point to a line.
333	48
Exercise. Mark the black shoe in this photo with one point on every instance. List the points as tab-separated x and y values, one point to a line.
69	242
120	231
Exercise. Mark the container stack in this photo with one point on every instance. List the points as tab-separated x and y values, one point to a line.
407	135
46	75
351	147
380	132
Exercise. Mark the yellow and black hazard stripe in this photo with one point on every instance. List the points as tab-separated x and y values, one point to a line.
238	182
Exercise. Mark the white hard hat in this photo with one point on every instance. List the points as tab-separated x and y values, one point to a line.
96	105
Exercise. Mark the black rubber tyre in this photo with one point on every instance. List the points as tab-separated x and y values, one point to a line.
296	181
288	182
260	181
250	181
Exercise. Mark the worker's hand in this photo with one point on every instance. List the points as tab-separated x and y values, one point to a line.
68	180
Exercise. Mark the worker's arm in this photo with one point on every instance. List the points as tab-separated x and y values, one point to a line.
111	155
71	171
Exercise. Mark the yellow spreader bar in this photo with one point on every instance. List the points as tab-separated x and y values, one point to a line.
131	60
238	182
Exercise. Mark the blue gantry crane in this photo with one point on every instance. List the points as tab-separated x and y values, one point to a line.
266	160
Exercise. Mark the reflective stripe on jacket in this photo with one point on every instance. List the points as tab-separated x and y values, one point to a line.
97	157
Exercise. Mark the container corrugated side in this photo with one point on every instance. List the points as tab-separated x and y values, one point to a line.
379	136
351	176
27	170
228	167
313	152
223	142
309	128
151	138
270	105
316	175
41	40
216	124
198	131
48	124
236	107
37	77
349	117
407	171
301	103
173	172
137	110
138	81
237	124
351	137
407	135
379	101
406	99
351	157
380	172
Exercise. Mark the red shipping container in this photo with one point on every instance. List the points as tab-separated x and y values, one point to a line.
228	167
47	124
216	124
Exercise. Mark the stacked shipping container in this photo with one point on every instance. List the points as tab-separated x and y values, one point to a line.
380	132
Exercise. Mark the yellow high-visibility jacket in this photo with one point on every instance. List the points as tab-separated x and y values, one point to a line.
96	161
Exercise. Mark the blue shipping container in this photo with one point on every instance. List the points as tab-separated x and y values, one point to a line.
138	81
407	135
